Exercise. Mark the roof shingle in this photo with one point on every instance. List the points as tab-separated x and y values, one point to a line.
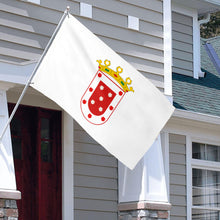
199	95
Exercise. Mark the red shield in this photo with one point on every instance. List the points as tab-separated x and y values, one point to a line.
101	99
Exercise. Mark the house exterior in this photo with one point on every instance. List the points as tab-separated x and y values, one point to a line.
58	170
196	158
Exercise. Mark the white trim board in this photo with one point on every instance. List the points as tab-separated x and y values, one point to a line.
16	73
196	116
67	167
166	155
167	24
189	176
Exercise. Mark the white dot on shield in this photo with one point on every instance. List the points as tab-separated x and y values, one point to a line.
101	87
100	109
101	98
92	102
109	94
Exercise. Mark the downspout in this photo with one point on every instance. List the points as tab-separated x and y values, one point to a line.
213	56
205	20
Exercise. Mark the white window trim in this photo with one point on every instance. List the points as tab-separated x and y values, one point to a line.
194	163
196	36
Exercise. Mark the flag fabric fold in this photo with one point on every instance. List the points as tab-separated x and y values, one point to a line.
121	109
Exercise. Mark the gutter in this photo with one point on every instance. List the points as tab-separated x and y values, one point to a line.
215	2
195	116
206	19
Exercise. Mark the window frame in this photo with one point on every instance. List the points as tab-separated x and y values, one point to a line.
198	164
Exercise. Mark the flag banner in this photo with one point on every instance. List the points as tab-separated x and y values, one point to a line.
117	106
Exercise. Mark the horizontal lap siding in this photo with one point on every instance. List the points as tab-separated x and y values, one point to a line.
177	157
95	175
182	33
26	28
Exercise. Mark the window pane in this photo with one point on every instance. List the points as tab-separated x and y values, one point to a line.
16	138
15	127
199	177
213	152
206	152
46	151
206	190
198	151
45	128
199	185
17	149
199	214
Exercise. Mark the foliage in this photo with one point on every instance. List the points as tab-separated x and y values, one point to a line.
212	28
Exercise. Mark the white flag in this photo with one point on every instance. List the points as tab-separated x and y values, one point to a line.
113	102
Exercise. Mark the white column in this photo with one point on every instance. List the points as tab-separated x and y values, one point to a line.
147	181
7	180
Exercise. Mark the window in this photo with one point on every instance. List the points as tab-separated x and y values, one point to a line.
46	140
205	181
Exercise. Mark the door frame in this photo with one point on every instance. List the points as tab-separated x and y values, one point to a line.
67	167
67	143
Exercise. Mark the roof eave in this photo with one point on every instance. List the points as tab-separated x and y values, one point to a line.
215	2
202	6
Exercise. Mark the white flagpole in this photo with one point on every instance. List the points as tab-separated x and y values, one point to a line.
66	12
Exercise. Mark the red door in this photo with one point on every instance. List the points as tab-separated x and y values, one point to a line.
36	142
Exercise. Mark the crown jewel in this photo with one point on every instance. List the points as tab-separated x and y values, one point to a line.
123	83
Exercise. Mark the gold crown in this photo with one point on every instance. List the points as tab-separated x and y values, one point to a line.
115	75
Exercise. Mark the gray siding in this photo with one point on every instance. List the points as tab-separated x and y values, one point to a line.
26	29
177	157
182	33
95	175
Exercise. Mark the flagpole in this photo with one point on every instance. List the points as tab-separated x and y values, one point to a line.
66	12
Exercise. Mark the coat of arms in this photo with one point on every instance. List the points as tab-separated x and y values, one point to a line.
104	94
